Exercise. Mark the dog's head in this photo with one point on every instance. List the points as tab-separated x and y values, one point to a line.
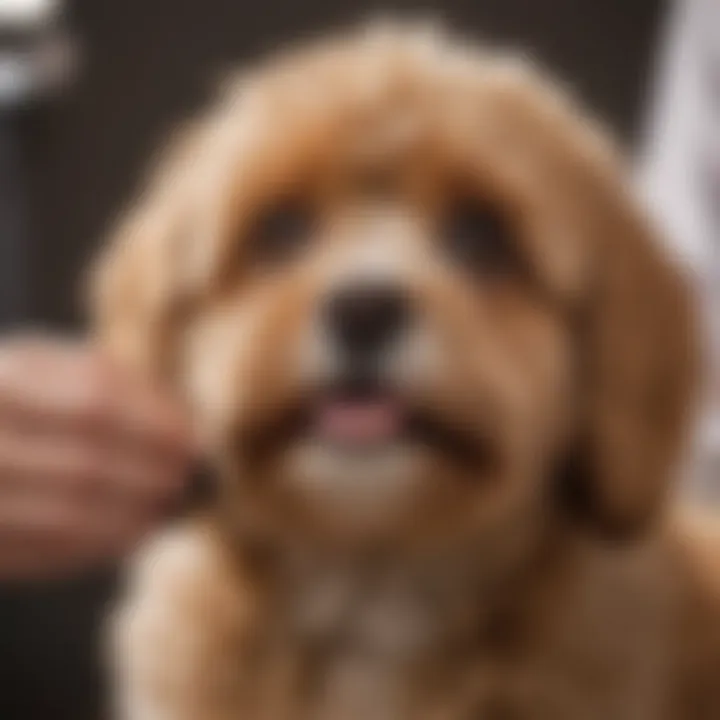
403	289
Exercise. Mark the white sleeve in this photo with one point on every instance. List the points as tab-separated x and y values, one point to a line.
679	177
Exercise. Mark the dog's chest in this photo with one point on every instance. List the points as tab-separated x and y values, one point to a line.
365	643
403	647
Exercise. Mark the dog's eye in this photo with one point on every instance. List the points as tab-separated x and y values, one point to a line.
281	232
477	237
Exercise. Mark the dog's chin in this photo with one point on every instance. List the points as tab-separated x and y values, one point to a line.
353	492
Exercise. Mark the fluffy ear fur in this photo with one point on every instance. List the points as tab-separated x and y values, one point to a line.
640	364
139	285
637	338
635	319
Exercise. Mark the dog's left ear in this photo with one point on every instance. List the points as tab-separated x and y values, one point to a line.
640	360
638	345
636	323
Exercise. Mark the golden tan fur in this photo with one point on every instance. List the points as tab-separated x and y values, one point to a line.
504	598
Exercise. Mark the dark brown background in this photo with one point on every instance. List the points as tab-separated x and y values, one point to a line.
148	63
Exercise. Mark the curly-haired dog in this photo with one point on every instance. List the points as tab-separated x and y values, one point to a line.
444	372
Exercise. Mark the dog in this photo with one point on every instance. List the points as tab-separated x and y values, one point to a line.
444	371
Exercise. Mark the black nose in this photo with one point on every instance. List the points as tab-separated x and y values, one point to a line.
365	318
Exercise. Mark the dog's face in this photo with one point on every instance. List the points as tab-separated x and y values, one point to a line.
390	357
381	294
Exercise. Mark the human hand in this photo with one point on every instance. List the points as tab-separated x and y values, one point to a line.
90	457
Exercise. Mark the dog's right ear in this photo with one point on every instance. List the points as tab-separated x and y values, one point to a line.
138	286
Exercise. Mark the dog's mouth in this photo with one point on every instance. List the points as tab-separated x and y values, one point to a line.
357	422
362	418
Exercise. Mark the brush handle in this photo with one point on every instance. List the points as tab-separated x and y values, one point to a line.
36	62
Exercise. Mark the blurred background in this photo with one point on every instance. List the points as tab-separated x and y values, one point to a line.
89	88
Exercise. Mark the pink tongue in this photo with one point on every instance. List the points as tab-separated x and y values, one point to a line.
359	421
